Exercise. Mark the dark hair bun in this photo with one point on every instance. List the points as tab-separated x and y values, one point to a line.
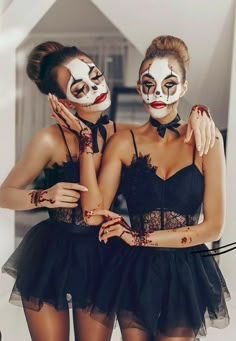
171	45
36	57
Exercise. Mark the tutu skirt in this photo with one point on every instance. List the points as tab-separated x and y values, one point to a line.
173	292
57	263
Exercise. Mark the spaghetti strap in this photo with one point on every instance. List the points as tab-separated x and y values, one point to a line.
64	138
134	143
114	127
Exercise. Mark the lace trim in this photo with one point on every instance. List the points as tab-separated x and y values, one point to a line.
162	220
56	165
67	215
142	161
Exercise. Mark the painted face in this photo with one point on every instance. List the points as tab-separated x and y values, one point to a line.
160	87
87	86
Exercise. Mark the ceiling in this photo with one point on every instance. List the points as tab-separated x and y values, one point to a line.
74	16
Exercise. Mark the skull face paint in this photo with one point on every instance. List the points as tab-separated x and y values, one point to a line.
87	86
160	87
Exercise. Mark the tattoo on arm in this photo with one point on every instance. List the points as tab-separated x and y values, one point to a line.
139	239
186	240
85	141
37	197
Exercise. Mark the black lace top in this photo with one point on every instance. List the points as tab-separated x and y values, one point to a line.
157	204
66	172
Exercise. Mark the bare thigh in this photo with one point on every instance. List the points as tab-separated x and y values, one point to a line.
177	338
134	334
88	329
48	324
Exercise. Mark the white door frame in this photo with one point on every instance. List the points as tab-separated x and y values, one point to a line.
17	21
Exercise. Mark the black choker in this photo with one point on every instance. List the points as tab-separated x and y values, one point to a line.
161	128
95	127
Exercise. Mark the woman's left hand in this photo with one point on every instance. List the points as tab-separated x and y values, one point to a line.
202	125
114	226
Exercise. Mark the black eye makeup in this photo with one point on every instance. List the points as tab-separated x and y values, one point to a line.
98	75
169	85
147	84
77	90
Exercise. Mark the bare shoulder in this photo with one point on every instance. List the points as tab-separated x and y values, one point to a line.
51	136
47	136
120	146
121	139
219	135
217	151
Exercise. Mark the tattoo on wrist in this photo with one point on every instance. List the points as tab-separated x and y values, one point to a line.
37	198
139	239
85	141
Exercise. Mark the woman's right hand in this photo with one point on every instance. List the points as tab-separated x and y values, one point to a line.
64	117
63	194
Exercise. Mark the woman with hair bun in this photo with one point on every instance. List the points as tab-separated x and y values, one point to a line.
58	263
160	279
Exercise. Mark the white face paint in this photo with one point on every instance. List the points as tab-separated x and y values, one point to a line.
87	86
160	87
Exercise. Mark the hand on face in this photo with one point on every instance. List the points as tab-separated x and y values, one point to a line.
64	117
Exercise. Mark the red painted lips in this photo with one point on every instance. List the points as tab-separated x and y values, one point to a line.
100	98
158	105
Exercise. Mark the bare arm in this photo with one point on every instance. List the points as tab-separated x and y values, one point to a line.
101	192
213	207
36	156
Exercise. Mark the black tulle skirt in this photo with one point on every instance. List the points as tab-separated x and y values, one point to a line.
173	292
56	263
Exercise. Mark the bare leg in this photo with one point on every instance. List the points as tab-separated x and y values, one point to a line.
88	329
134	334
178	338
48	324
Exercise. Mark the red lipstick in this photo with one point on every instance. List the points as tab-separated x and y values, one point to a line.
158	105
100	98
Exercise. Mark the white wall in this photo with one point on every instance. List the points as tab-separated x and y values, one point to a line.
206	27
228	260
16	23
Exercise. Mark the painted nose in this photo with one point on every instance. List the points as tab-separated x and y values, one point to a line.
158	93
94	87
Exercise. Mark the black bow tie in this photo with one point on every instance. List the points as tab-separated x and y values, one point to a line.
161	128
95	127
